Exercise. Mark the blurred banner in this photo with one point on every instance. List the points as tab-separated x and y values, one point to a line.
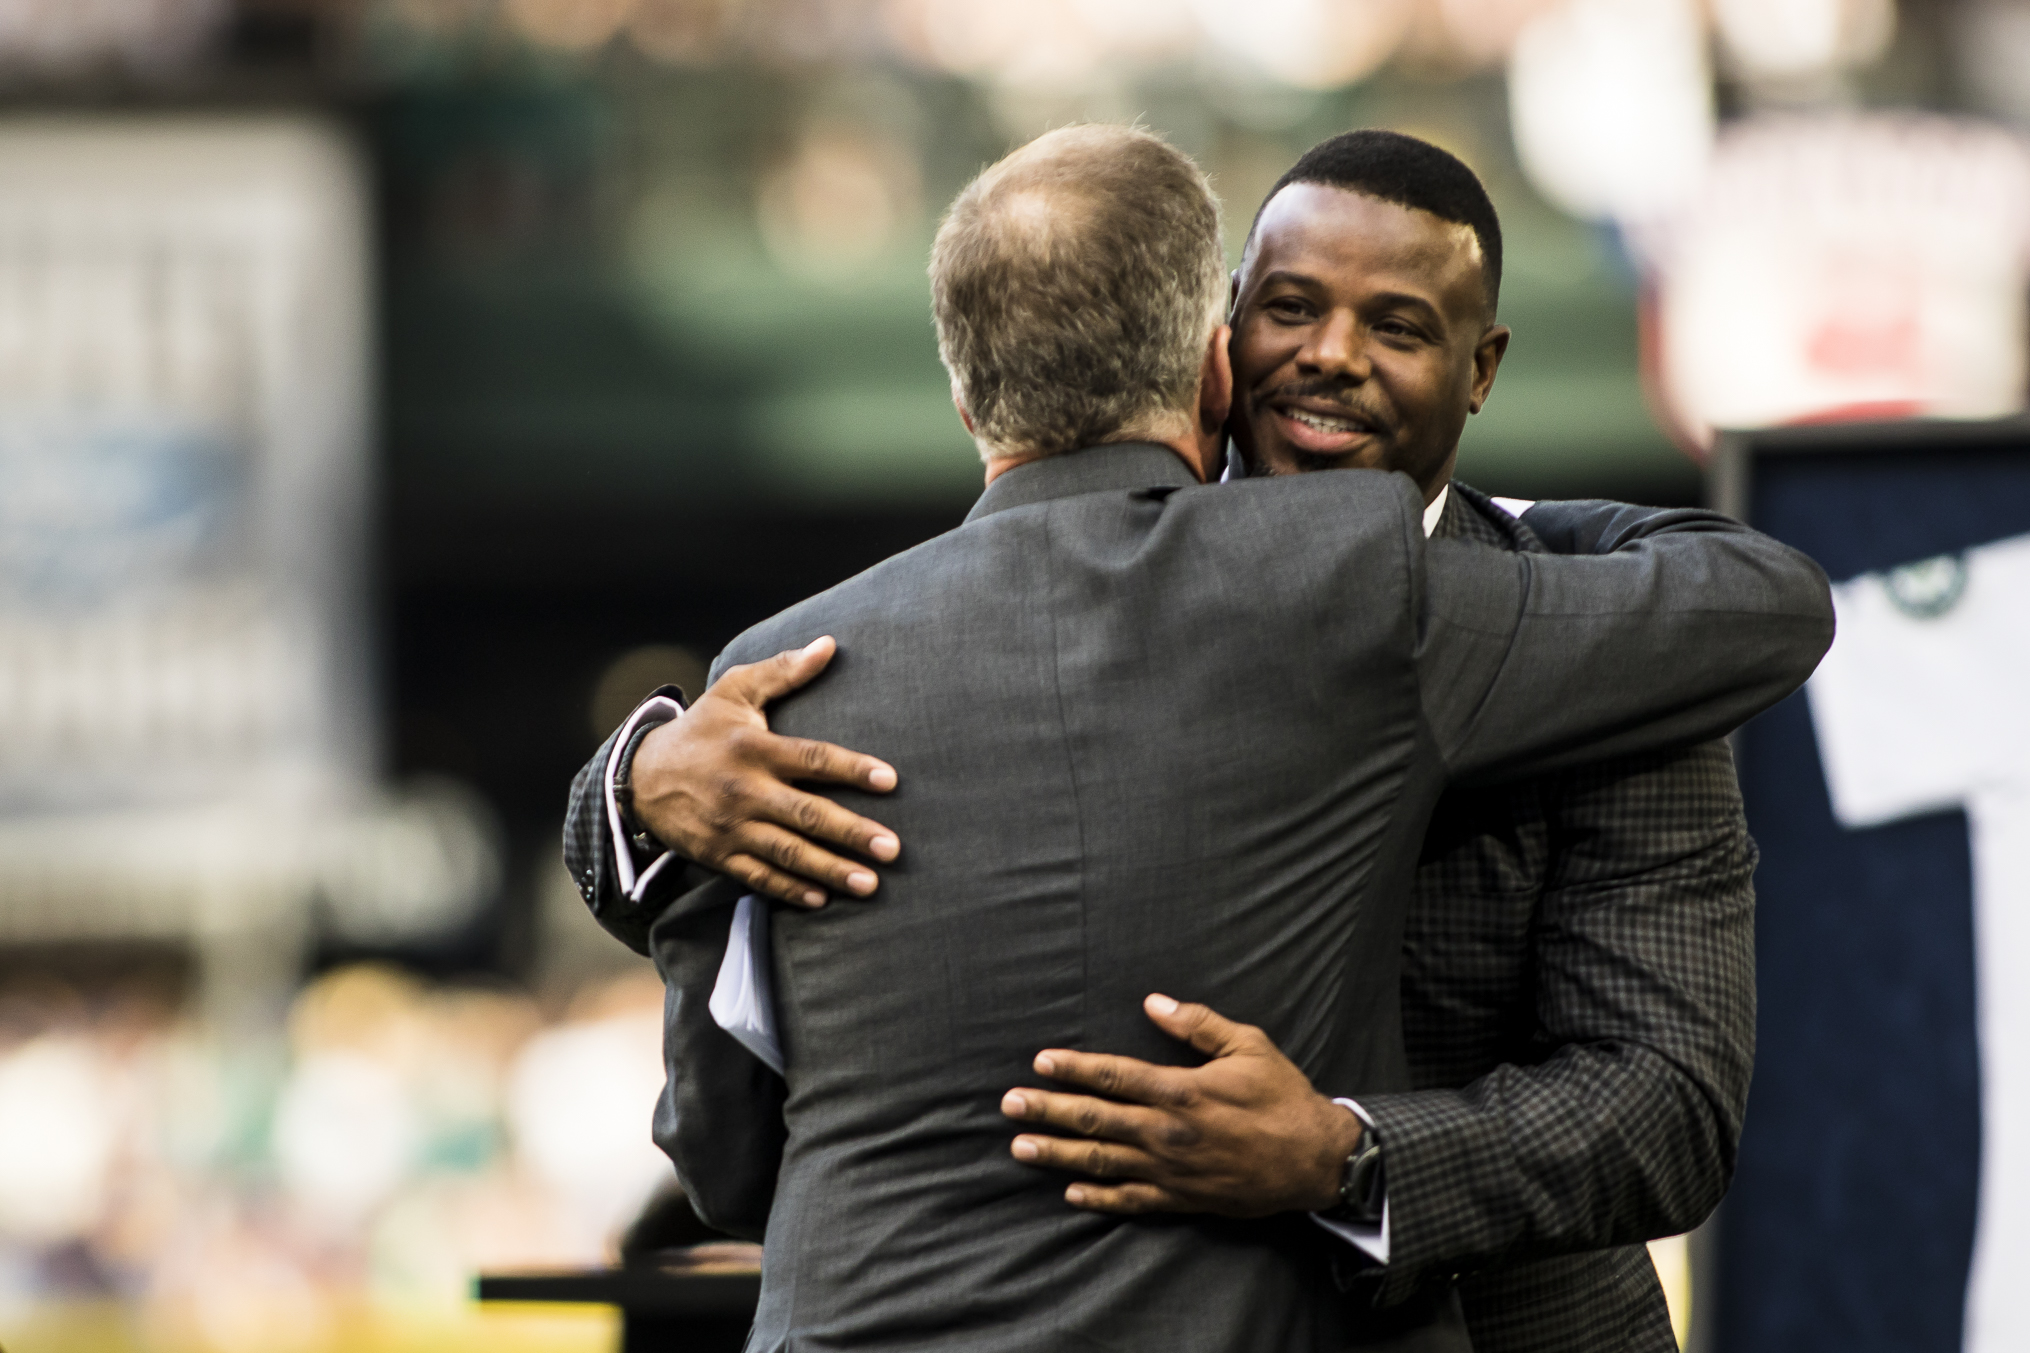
1842	266
182	429
187	745
143	36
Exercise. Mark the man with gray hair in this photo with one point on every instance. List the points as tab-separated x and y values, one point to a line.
1073	295
1216	721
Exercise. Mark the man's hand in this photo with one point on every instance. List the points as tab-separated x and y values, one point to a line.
1244	1135
713	785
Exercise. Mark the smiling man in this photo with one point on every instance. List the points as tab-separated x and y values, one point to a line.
1576	995
1365	330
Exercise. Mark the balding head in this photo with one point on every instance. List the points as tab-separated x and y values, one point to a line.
1074	284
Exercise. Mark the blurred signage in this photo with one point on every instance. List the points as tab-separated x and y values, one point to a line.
187	744
1892	929
1914	713
1841	267
65	35
182	405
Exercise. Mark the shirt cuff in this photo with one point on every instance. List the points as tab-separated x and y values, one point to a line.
1370	1238
634	884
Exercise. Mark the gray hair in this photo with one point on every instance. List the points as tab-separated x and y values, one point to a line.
1074	284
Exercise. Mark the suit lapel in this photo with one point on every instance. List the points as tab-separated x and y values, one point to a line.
1471	515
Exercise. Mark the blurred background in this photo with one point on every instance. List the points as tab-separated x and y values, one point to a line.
392	392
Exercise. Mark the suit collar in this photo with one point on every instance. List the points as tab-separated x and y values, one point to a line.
1123	465
1471	515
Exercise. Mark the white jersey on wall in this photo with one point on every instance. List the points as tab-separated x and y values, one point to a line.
1923	704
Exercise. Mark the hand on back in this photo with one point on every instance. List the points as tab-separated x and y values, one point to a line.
1244	1135
720	789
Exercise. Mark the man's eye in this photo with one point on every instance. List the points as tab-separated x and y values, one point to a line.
1285	307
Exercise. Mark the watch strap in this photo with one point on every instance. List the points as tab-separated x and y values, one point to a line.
623	773
1361	1189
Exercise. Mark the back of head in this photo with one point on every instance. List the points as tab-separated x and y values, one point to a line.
1392	167
1074	285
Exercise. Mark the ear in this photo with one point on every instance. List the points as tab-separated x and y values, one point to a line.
1487	356
1215	400
1216	382
959	403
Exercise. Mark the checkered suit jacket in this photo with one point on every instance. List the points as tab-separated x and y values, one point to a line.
1579	1009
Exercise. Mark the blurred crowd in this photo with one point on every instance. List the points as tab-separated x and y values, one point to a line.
405	1136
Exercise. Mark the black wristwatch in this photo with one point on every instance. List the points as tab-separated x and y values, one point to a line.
623	774
1360	1182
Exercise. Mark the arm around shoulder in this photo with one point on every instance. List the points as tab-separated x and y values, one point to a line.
1670	627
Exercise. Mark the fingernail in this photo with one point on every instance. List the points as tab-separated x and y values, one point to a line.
1075	1196
1014	1105
1044	1065
812	646
884	847
861	882
1162	1004
881	777
814	898
1025	1149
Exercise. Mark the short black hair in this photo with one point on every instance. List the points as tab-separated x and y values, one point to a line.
1401	169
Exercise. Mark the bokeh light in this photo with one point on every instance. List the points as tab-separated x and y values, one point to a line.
1612	105
146	35
839	201
573	25
1312	44
1803	37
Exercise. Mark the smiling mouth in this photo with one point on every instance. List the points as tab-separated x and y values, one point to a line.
1319	432
1329	424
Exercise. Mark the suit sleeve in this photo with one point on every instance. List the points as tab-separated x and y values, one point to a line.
1598	526
1676	627
720	1115
1618	1117
591	854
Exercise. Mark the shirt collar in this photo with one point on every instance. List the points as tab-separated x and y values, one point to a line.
1123	465
1436	510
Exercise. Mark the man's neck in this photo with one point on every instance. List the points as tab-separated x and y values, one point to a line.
1000	465
1187	448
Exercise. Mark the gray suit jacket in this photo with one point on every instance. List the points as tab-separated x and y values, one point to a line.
1216	719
